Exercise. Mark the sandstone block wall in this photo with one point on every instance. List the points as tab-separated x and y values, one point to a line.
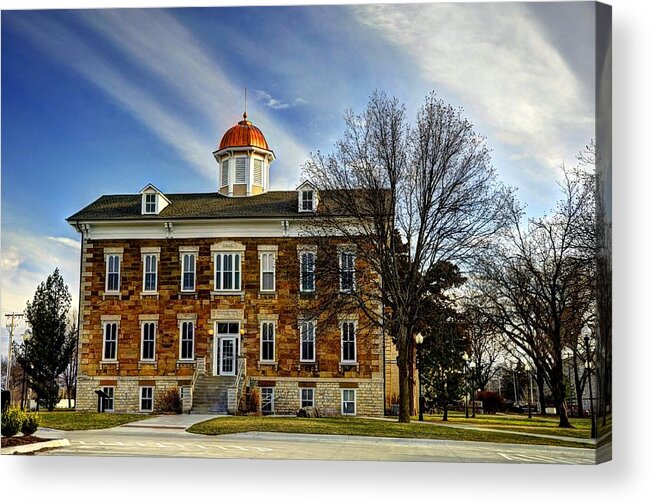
327	396
249	308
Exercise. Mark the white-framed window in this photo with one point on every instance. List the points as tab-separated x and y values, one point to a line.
348	403
112	273
257	172
150	273
228	271
110	344
147	399
267	341
307	280
268	271
307	201
240	170
267	400
186	350
107	402
348	341
188	271
308	340
347	271
148	341
150	203
224	173
307	397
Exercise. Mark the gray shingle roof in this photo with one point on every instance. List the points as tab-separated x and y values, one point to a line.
193	206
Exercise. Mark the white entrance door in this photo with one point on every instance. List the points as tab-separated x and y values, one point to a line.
227	356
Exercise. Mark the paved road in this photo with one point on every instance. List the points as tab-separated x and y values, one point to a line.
170	440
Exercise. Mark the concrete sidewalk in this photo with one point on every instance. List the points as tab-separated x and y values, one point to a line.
180	422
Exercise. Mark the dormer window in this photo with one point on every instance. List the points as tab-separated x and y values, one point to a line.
150	203
153	201
307	201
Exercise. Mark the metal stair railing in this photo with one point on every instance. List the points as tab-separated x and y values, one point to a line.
200	366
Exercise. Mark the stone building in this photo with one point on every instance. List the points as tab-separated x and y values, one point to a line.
204	292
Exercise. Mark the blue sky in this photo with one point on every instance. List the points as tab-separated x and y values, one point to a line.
103	101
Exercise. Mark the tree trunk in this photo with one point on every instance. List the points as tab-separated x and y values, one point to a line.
558	391
404	378
540	381
445	412
412	380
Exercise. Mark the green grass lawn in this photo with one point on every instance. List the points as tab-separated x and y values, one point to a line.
521	423
362	427
73	420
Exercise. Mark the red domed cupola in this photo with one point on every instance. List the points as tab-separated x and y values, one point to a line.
244	158
244	134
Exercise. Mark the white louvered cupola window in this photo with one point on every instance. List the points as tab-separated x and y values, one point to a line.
240	171
224	173
257	172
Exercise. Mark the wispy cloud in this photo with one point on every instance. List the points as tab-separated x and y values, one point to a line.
496	60
64	45
273	103
69	242
156	41
163	50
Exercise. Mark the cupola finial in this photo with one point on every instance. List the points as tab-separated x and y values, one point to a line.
245	115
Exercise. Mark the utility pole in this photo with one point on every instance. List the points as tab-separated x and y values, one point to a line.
11	326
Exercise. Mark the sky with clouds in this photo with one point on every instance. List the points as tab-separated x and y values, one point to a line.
103	101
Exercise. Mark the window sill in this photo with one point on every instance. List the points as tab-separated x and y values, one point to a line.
143	363
308	365
187	294
184	362
112	294
267	294
104	363
349	364
216	293
149	294
273	364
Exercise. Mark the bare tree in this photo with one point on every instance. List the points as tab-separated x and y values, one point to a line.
536	286
409	199
68	378
485	347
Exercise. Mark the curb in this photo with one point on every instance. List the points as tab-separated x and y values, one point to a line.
54	443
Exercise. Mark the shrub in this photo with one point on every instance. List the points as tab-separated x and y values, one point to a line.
492	402
170	401
12	421
30	424
254	401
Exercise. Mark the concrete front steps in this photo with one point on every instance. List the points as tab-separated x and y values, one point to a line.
210	394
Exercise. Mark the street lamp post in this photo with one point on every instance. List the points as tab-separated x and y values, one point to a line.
472	385
419	360
527	368
588	364
465	365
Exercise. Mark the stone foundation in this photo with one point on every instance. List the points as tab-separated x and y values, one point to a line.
126	397
369	395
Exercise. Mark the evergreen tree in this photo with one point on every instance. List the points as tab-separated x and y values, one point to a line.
442	367
47	353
